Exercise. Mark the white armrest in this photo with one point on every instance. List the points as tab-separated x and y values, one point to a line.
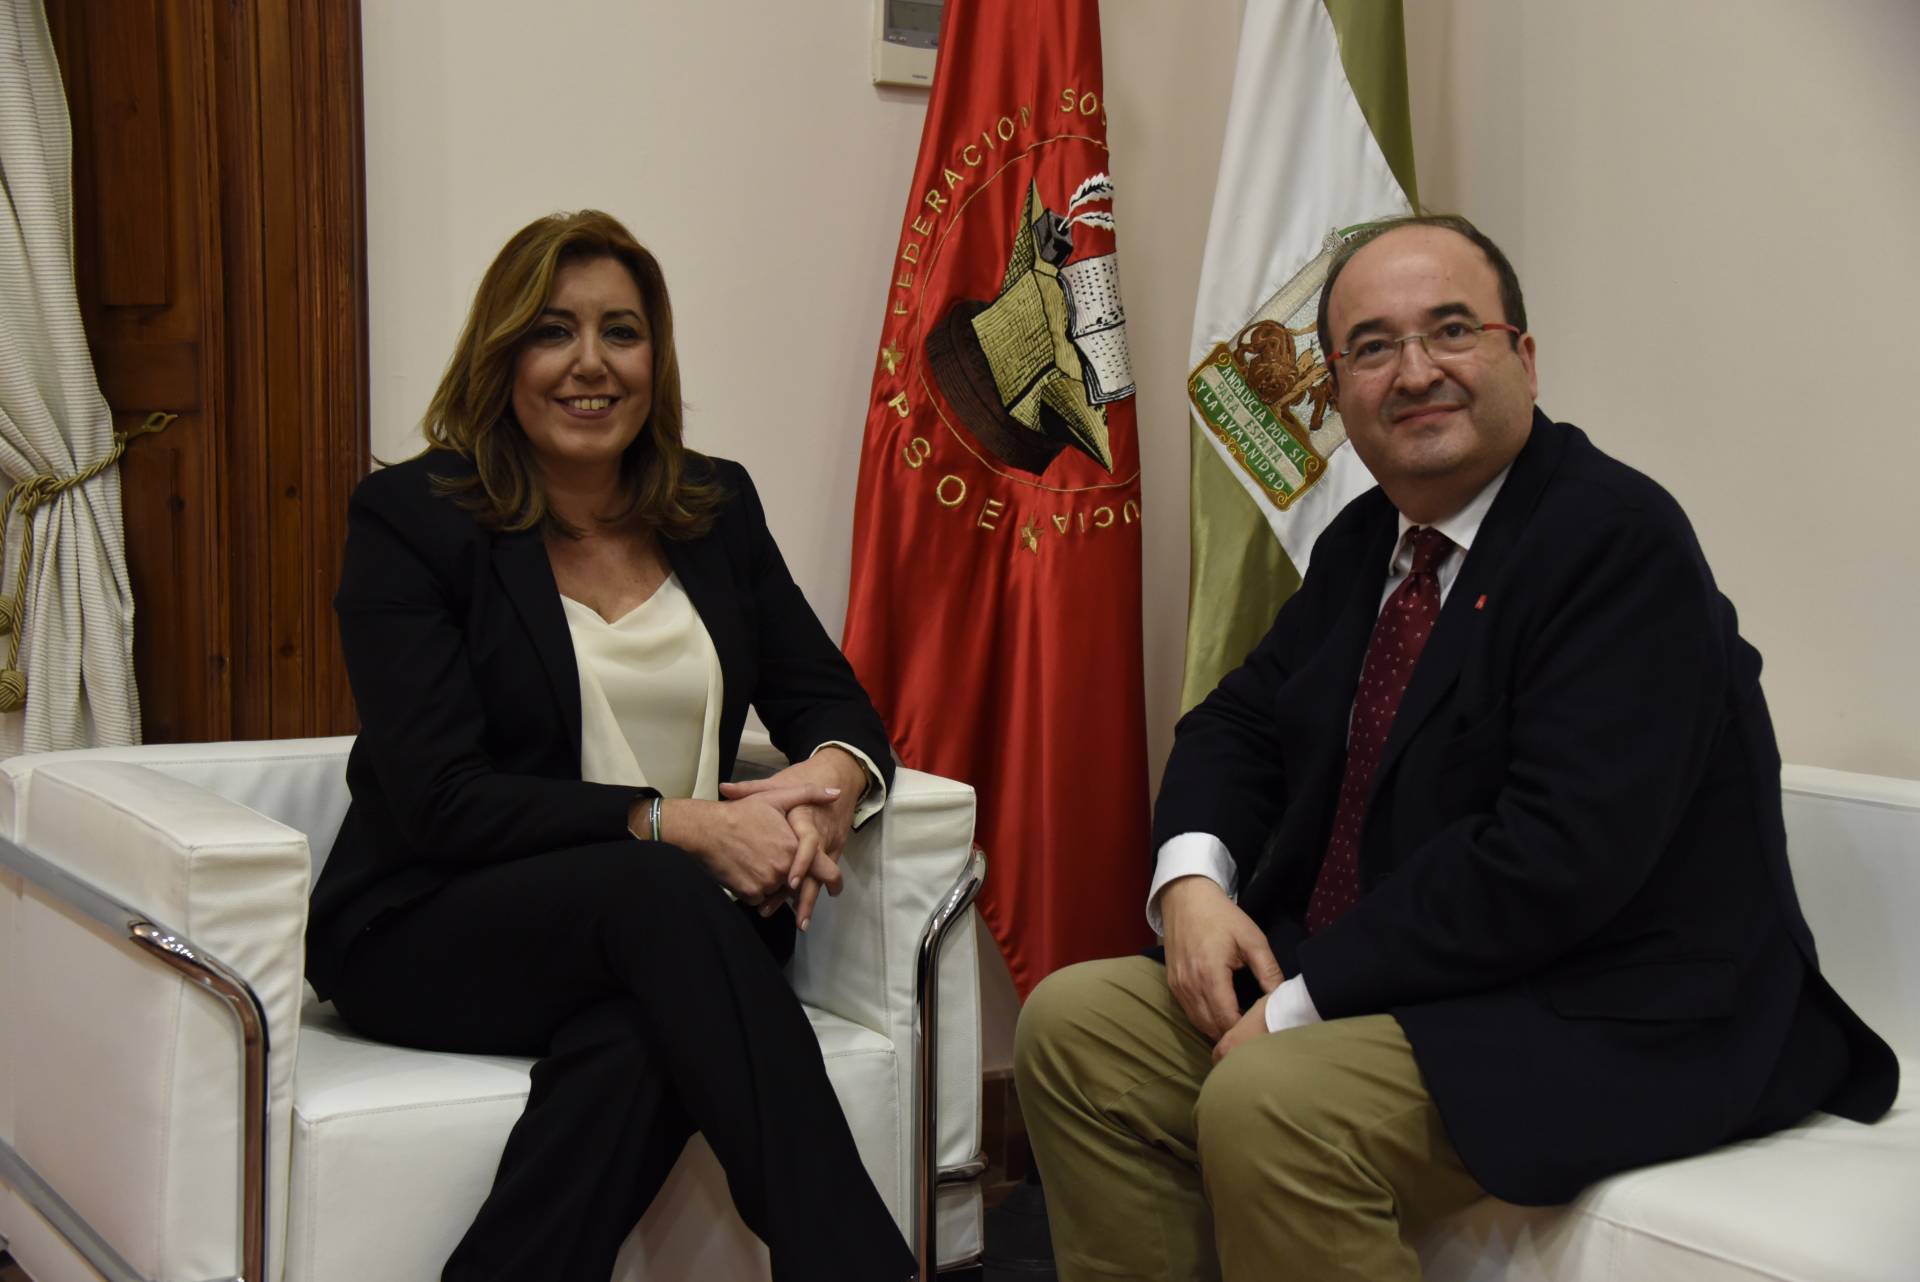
857	960
125	1079
300	782
1854	843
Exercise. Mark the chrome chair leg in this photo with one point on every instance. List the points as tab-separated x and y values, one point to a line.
928	1174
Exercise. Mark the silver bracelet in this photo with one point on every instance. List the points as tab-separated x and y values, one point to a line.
653	818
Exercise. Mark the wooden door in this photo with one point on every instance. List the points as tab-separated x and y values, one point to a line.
220	257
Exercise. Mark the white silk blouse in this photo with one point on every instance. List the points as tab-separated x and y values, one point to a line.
650	695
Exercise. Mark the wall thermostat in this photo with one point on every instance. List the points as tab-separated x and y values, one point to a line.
906	35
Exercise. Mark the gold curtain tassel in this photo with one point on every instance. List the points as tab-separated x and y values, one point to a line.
26	495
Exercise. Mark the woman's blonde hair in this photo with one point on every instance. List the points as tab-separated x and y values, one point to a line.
472	412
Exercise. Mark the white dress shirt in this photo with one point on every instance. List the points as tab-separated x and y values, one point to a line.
1201	854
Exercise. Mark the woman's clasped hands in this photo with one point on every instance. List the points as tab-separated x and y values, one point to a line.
777	839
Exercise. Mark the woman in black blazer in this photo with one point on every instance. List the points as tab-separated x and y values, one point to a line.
483	897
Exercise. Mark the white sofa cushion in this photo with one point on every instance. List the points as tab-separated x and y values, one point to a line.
1826	1201
402	1145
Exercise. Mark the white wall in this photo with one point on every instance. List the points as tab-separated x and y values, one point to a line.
1708	205
1711	207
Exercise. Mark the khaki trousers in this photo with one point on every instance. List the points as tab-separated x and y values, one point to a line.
1309	1154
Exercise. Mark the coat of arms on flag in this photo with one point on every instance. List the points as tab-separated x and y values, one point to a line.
1267	395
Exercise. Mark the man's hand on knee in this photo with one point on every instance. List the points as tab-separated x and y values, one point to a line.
1249	1026
1207	939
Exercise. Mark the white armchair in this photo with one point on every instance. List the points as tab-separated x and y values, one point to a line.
135	1137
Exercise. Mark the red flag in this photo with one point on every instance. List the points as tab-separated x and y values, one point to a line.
995	600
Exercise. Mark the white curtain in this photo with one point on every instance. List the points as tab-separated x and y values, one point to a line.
76	640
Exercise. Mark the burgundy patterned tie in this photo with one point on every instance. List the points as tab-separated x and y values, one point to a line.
1400	633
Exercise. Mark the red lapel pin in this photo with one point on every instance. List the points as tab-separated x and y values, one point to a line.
1481	604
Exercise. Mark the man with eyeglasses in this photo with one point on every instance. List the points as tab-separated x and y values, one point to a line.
1472	878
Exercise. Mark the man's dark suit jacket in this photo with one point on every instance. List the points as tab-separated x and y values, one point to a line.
1576	897
463	671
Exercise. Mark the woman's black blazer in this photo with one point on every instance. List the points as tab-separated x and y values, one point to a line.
463	671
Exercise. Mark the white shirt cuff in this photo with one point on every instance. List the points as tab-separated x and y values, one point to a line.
1187	855
1291	1006
876	794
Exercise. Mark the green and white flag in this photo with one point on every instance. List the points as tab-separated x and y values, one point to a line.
1318	142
